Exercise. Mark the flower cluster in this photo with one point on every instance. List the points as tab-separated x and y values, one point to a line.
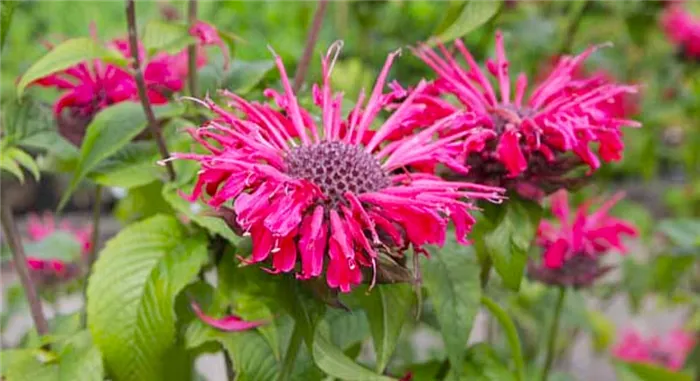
682	29
527	141
330	196
668	351
44	268
89	87
572	247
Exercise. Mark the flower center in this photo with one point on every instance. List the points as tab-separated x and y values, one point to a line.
337	168
507	114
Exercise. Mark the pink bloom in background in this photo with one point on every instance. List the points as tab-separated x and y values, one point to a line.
326	198
91	86
682	29
527	140
48	270
572	246
668	351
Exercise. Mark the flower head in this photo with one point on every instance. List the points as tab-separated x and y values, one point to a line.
47	269
682	29
572	247
668	351
329	195
89	87
526	140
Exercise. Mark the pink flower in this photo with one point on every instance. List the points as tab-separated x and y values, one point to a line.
572	246
45	269
91	86
230	323
324	198
513	136
682	29
668	351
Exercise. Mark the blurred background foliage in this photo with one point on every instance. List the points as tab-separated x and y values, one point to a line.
660	171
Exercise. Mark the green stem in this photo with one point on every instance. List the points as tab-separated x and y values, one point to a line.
290	355
577	15
553	330
511	334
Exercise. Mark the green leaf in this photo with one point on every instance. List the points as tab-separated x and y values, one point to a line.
7	9
387	308
683	232
132	166
482	364
668	270
505	234
161	36
333	361
66	54
647	372
10	165
451	277
240	77
193	210
603	330
59	245
24	160
75	359
473	15
142	202
110	130
131	295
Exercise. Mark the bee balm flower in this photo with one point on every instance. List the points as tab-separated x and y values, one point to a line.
89	87
668	351
573	246
526	140
682	29
322	198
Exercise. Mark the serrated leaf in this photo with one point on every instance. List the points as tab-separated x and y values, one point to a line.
193	210
66	54
451	277
161	36
58	245
240	77
131	295
132	166
7	9
473	15
505	234
24	160
387	307
75	359
333	361
110	130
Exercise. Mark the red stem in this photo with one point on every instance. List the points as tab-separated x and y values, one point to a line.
141	85
303	66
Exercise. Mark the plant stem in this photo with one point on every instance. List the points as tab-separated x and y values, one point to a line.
19	258
92	255
192	50
303	66
553	330
141	85
290	355
508	326
577	16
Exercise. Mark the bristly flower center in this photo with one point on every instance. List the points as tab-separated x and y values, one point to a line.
508	114
337	168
